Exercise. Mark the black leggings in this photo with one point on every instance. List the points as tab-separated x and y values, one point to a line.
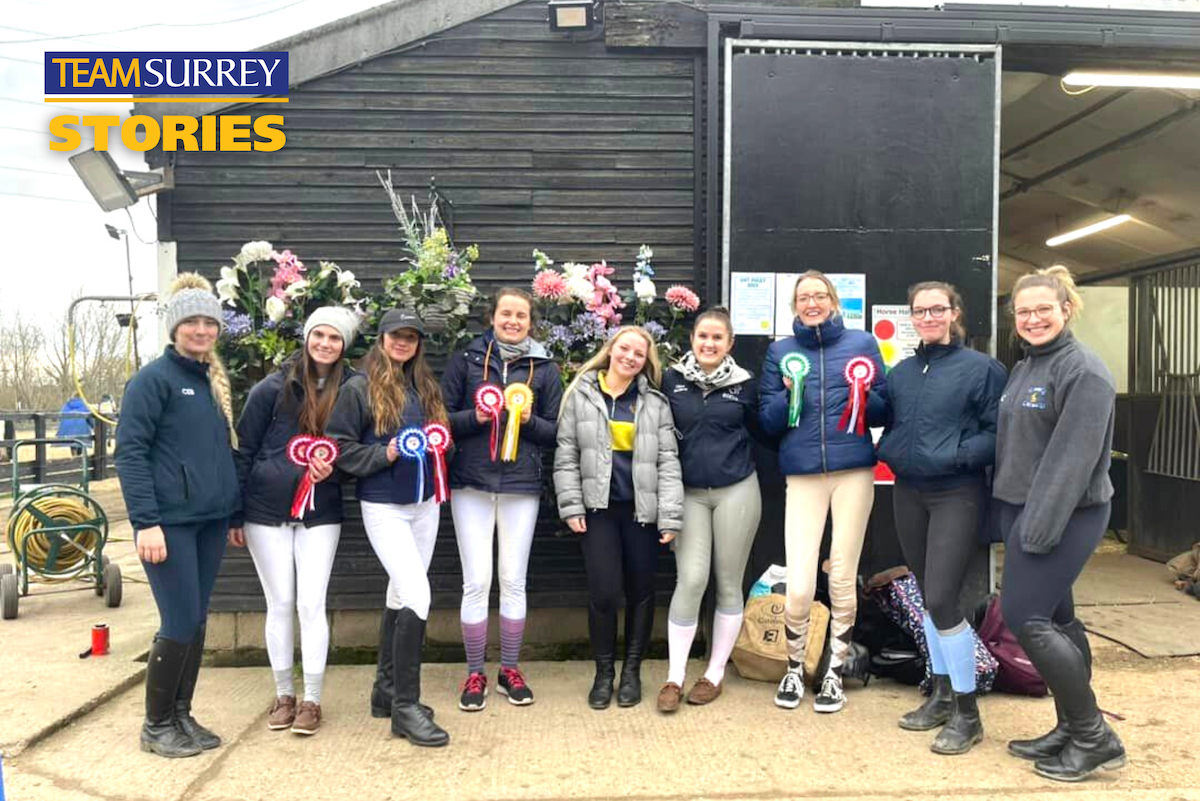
618	550
1039	584
183	584
938	532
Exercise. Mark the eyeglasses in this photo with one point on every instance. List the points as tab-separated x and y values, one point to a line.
819	297
1041	312
936	312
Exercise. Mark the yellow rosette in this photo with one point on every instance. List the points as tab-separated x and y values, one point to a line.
517	397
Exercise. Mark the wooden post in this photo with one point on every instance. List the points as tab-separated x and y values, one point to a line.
100	450
39	459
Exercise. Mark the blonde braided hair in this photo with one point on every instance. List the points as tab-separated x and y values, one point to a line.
218	378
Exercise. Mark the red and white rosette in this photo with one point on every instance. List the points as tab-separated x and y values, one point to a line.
860	372
301	450
489	399
437	442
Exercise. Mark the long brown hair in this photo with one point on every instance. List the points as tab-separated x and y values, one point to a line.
388	383
318	402
957	329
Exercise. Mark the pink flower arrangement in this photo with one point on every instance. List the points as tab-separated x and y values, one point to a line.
605	302
289	270
549	285
683	298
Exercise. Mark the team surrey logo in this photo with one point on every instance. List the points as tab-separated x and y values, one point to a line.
162	77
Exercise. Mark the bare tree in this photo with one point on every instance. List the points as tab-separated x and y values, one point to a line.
101	352
21	377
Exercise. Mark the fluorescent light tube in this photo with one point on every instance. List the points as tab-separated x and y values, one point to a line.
1087	230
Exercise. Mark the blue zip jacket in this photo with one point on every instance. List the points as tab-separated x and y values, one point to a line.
473	466
75	426
267	476
174	456
941	429
816	445
714	430
363	453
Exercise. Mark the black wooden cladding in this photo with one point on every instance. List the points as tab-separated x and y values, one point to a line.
538	141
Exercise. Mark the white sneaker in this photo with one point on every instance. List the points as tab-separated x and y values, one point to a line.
791	690
831	698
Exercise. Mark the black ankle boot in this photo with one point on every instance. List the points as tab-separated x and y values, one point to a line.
639	619
409	720
602	629
160	732
1093	745
1051	743
963	730
936	710
204	737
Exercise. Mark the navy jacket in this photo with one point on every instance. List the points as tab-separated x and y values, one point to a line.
473	466
816	445
941	429
363	453
174	456
267	476
714	430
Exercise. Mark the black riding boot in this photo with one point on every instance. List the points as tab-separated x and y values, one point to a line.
936	710
964	728
1093	744
639	619
382	691
602	628
408	718
160	733
204	737
1052	742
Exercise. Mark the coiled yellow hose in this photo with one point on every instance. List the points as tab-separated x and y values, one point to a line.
63	506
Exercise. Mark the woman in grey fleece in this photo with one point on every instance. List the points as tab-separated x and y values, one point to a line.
620	488
1053	447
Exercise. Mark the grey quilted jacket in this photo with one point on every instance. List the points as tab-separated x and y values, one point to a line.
583	461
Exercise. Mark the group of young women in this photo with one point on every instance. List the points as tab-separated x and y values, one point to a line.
641	459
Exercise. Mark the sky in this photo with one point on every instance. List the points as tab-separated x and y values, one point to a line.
57	246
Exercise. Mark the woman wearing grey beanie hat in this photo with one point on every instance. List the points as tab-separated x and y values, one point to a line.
293	556
175	462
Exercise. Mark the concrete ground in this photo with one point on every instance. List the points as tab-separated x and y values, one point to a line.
69	727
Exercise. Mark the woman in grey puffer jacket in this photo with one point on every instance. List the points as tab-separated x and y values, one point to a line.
618	480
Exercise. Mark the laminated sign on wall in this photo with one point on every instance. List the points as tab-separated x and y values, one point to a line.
895	333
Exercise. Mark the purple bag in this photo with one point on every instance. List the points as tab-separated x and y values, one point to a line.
901	601
1016	674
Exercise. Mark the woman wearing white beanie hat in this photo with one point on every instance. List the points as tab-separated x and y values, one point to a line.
294	557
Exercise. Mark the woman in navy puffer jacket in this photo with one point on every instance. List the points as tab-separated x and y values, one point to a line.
829	467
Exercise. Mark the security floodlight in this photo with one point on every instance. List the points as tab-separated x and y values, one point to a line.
572	15
112	187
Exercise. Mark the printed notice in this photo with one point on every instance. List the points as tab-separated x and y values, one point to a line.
894	331
852	293
752	303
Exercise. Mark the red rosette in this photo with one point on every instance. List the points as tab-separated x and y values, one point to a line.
437	439
297	449
322	448
860	369
489	399
859	373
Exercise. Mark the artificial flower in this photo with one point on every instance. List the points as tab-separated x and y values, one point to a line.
645	290
276	309
549	285
683	298
255	251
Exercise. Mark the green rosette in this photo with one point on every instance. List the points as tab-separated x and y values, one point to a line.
795	366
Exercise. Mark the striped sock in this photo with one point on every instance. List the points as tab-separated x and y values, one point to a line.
512	634
475	643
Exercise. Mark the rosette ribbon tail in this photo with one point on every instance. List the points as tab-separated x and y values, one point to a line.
303	499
